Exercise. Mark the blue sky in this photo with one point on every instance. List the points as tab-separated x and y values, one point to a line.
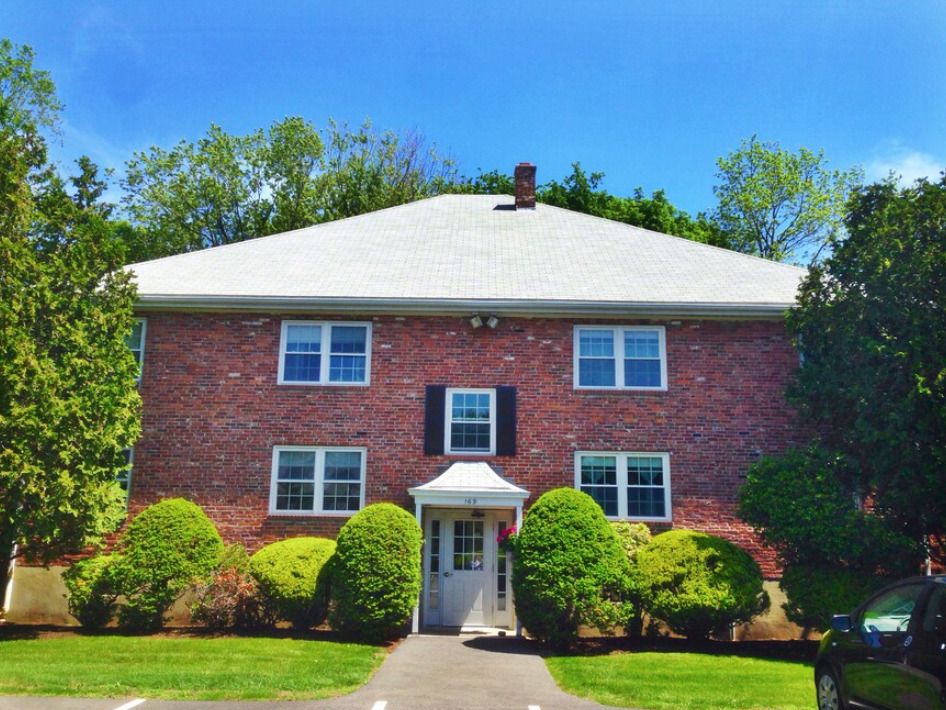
650	93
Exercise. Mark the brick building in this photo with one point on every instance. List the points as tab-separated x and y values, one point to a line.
459	356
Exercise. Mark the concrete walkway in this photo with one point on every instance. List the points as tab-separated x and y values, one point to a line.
423	673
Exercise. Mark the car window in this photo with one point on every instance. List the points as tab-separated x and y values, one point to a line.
891	611
935	617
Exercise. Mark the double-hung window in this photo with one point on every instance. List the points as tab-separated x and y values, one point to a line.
135	341
470	421
626	485
620	357
317	481
324	353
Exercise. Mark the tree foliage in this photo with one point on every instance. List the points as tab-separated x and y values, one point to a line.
228	188
778	204
68	399
806	505
871	322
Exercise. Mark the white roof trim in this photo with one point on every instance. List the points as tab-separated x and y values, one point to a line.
469	484
431	306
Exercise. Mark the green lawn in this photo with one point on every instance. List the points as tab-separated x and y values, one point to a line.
686	681
185	668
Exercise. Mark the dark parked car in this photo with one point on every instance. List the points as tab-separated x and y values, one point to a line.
888	653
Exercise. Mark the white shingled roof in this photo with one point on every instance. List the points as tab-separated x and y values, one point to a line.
468	252
469	477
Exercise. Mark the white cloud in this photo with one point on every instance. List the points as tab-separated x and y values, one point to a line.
906	163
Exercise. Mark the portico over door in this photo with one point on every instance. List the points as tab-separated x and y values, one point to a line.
466	575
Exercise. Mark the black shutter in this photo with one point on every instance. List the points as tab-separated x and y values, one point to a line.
434	402
505	421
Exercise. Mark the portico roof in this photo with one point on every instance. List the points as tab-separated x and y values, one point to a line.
469	483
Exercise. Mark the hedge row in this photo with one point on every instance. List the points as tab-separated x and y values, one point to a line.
369	580
573	569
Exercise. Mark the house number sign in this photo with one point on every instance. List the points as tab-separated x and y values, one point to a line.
470	501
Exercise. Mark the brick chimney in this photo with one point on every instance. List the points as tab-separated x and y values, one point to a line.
524	176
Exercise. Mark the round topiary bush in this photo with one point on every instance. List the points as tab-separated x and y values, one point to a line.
93	590
166	548
293	578
376	576
698	584
570	569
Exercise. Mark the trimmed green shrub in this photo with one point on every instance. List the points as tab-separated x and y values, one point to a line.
570	569
376	575
93	590
167	548
293	578
815	595
698	584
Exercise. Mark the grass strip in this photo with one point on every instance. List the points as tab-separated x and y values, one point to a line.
185	668
686	681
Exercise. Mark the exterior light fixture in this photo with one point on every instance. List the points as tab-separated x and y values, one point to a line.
492	322
476	321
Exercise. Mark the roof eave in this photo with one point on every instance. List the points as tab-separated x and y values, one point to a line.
416	306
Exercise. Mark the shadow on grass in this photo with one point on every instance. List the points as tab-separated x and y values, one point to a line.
769	650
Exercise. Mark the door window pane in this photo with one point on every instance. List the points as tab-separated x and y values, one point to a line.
467	545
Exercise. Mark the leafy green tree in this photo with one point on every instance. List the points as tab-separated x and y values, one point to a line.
781	205
228	188
493	182
200	195
366	170
807	505
68	399
871	322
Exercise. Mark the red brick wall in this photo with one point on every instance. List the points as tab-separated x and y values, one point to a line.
213	412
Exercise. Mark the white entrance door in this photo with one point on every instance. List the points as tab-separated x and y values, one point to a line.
466	572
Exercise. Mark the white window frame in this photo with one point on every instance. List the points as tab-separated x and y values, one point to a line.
619	331
141	347
318	481
326	354
622	486
448	421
